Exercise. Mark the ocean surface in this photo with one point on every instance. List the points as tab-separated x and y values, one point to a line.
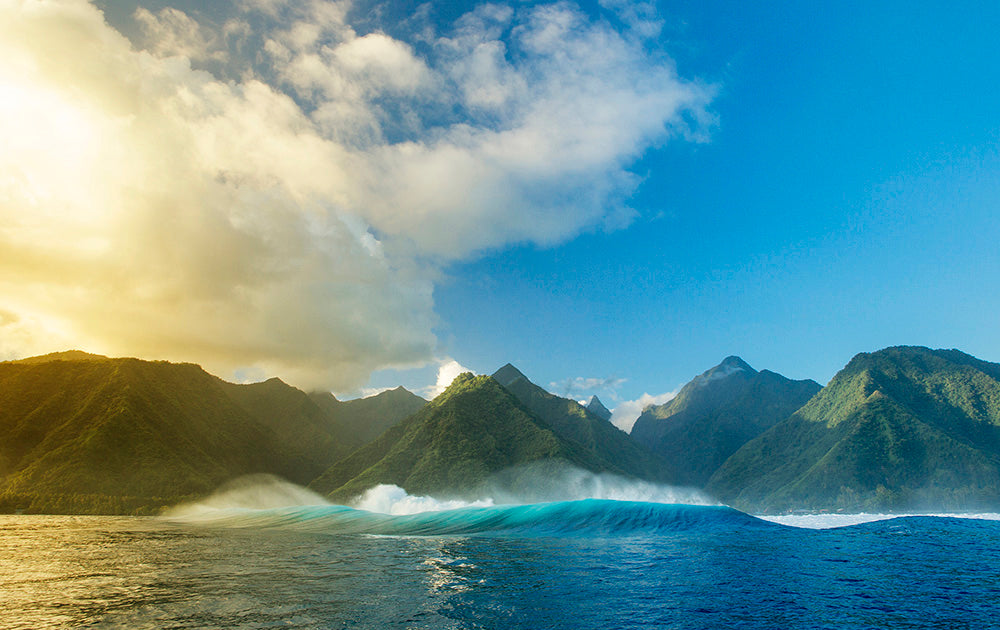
576	564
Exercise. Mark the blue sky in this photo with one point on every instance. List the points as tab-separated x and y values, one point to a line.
847	200
613	196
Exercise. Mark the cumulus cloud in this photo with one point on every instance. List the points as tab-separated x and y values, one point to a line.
627	412
288	206
447	371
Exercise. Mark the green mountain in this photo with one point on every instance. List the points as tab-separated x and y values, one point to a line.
67	355
117	435
901	428
454	444
82	433
715	414
618	452
318	428
299	425
360	421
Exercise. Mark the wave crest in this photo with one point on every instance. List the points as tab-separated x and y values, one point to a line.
588	517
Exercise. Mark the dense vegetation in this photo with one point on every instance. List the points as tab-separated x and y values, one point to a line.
902	428
81	433
358	422
616	451
715	414
454	445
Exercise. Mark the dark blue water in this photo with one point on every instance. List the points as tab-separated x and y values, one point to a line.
581	564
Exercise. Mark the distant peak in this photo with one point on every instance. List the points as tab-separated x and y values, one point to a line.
596	407
729	366
734	362
507	375
400	392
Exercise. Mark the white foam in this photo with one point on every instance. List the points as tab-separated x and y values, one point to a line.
830	521
390	499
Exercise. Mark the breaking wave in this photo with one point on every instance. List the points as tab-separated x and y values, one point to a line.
584	517
267	502
263	502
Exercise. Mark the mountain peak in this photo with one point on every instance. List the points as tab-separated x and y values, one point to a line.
896	411
596	407
507	375
734	362
397	392
729	366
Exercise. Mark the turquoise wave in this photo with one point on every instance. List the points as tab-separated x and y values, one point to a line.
587	517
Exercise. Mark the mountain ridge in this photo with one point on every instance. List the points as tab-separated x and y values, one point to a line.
899	428
904	427
714	414
453	445
93	434
596	407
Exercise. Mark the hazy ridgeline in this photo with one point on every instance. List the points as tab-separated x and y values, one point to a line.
904	428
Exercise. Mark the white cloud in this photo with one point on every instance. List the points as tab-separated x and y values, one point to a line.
447	371
287	206
171	32
641	17
627	412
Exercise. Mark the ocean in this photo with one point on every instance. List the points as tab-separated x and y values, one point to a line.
574	564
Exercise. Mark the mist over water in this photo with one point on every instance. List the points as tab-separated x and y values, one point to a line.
555	481
251	492
528	500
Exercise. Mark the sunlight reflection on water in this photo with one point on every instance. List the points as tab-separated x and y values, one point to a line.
121	572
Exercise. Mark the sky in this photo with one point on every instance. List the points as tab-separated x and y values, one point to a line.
613	196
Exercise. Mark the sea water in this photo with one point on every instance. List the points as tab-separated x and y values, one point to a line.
575	564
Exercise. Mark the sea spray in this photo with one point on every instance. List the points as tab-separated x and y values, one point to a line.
531	484
250	492
547	481
528	500
390	499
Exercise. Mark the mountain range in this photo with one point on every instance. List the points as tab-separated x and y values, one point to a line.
901	428
84	433
475	429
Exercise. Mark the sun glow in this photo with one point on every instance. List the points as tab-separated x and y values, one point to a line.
54	153
241	198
